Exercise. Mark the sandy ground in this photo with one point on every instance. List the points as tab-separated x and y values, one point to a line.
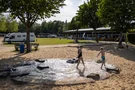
123	58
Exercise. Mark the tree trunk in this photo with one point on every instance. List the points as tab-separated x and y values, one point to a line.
96	38
120	41
28	40
126	39
76	39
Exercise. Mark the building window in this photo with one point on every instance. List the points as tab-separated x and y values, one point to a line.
18	35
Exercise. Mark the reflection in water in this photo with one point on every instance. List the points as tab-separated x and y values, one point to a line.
81	72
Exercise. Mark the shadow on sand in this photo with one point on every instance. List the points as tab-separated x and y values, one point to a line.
128	54
7	84
81	72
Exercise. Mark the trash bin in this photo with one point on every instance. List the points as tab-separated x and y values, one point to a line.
21	48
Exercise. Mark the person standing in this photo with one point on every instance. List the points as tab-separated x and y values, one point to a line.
102	52
80	58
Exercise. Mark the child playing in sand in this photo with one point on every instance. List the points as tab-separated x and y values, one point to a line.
102	52
80	56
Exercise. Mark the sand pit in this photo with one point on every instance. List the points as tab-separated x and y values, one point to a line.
58	72
123	58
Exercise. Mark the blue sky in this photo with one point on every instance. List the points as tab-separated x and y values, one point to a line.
66	12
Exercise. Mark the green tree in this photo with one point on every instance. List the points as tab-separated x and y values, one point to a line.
65	26
11	24
21	27
52	27
29	11
87	15
75	25
58	26
118	14
62	27
2	23
71	24
44	27
36	28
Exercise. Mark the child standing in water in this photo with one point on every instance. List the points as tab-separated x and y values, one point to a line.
102	52
80	56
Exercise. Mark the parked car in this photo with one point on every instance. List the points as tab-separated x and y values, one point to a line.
52	36
70	37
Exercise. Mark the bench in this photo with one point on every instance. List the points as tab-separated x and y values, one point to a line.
35	45
17	46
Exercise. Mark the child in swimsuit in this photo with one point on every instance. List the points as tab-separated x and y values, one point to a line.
102	52
80	56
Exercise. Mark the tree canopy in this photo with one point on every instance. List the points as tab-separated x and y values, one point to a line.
53	27
117	13
7	24
87	15
29	11
74	24
2	23
11	24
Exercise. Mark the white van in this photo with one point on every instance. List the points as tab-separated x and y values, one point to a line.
18	37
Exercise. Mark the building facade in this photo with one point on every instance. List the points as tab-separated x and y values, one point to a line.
103	33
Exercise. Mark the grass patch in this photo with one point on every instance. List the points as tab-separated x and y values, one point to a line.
52	41
56	41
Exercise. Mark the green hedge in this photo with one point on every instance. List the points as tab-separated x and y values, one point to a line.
131	38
